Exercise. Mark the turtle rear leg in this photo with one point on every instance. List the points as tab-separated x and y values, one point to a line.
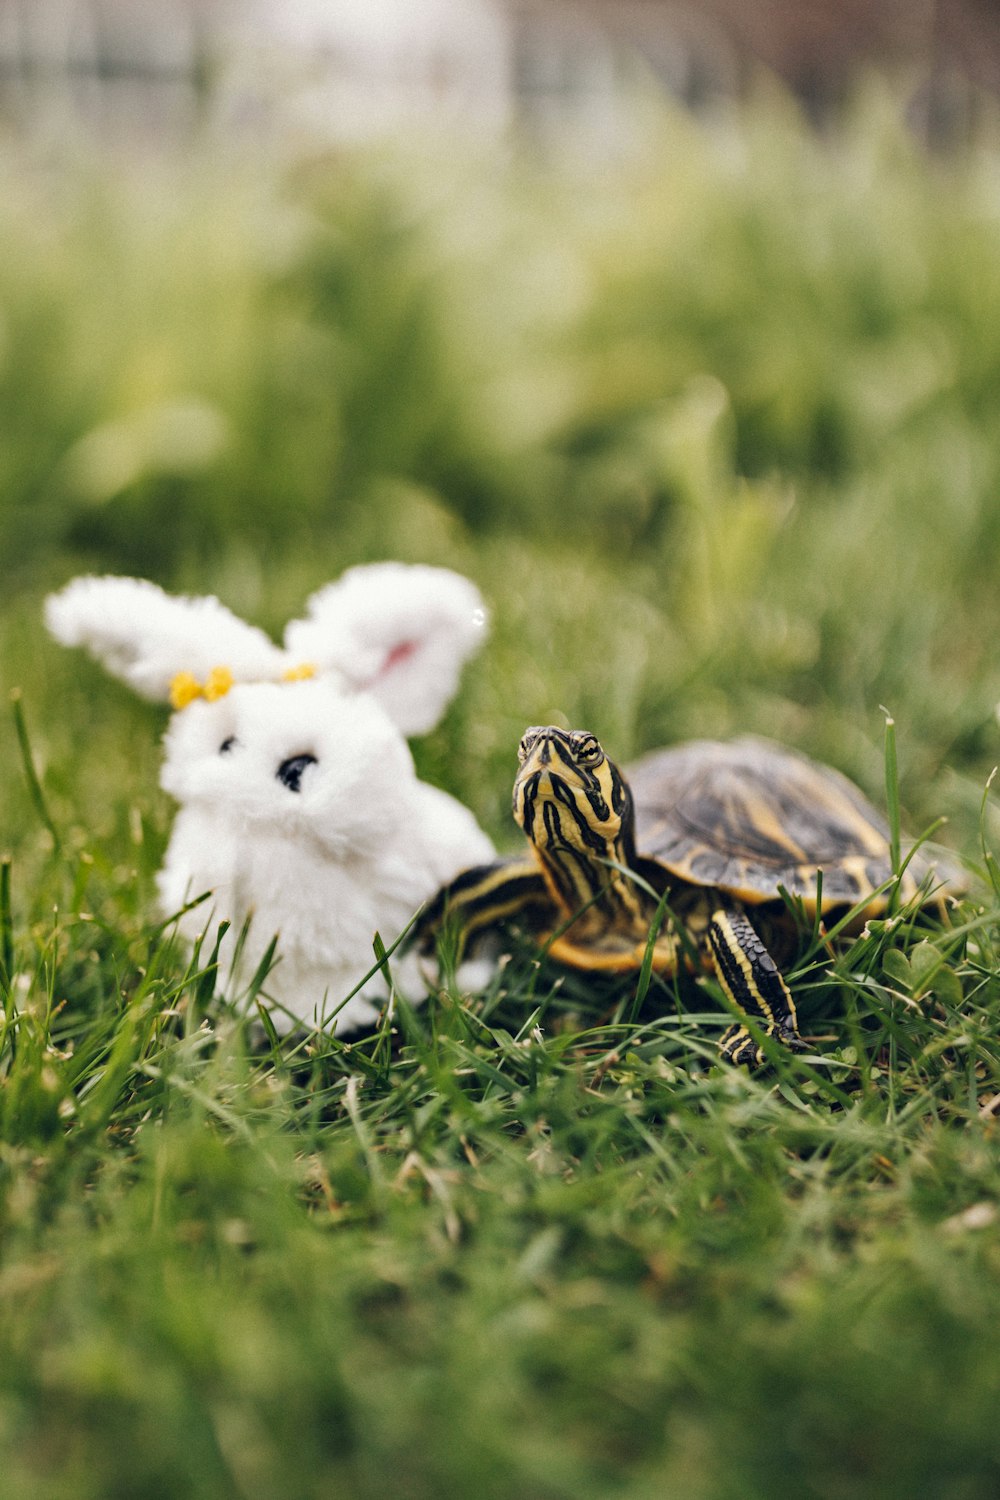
480	899
753	982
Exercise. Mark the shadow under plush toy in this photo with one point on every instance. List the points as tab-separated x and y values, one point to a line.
299	803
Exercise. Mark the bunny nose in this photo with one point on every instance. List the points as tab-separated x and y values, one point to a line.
290	771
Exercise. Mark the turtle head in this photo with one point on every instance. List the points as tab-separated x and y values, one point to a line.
570	799
576	809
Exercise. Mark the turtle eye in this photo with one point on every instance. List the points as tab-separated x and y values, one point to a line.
227	745
527	740
587	749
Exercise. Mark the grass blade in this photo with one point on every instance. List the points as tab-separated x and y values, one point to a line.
646	968
30	773
6	926
892	789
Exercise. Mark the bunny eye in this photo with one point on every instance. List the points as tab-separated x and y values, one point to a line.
227	745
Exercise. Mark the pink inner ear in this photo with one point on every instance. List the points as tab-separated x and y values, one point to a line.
399	653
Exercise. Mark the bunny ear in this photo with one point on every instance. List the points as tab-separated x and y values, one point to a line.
146	637
400	632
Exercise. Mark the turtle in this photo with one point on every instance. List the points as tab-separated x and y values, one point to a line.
719	831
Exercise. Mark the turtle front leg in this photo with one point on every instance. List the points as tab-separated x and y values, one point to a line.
751	979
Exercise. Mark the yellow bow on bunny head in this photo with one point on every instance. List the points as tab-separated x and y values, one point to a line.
185	687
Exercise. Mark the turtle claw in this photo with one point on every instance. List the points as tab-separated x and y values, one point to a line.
738	1047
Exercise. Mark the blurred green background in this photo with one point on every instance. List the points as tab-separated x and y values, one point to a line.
710	424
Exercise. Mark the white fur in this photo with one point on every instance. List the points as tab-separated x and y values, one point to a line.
146	637
396	631
363	842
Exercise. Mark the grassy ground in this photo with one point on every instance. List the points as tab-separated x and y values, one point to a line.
715	436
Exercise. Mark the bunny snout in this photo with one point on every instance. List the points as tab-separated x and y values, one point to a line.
289	773
302	760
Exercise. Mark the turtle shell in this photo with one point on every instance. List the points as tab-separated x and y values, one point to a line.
749	816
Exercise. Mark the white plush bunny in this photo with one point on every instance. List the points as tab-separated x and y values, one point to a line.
299	803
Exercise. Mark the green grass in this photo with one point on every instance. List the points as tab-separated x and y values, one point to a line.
714	435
